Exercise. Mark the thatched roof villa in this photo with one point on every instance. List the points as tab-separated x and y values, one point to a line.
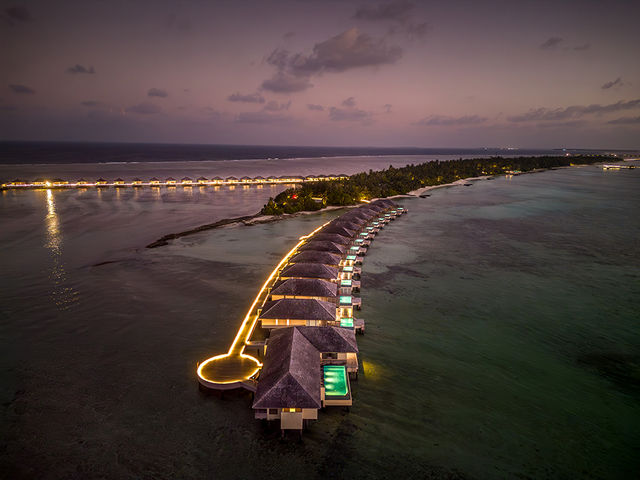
297	312
295	383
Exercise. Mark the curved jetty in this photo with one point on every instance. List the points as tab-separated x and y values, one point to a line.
301	326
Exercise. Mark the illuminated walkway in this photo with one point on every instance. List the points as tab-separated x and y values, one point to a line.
235	368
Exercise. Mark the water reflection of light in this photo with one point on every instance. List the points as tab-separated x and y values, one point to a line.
61	294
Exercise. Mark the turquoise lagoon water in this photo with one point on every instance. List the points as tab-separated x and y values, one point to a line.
502	336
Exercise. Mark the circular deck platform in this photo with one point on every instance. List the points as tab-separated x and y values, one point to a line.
226	372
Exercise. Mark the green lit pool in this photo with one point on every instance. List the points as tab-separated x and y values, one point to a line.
345	300
335	381
346	322
347	269
345	283
359	240
351	257
364	234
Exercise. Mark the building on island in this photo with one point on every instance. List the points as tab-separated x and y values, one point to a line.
297	312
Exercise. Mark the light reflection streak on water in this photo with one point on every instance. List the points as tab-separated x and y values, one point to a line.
61	294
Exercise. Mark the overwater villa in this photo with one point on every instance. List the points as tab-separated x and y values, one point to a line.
154	181
306	288
246	180
101	182
334	238
272	179
39	182
118	182
315	256
305	369
298	312
323	246
259	179
136	182
202	181
309	270
217	180
338	230
231	180
170	181
186	181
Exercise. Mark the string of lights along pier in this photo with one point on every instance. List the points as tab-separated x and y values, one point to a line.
167	182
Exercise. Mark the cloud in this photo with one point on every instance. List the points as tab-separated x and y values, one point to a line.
16	14
394	10
445	121
572	112
625	121
397	11
144	108
289	35
274	106
283	82
22	89
616	83
348	50
263	118
585	46
349	102
246	98
551	43
315	108
350	115
157	92
80	69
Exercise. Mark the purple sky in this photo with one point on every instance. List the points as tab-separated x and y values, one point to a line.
304	72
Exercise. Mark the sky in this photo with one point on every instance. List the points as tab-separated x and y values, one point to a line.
529	74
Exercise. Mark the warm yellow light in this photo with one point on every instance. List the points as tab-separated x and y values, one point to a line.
249	323
47	183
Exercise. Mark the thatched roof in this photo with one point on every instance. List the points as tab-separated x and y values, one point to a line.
306	287
291	374
322	246
332	237
346	224
309	270
332	228
299	309
331	339
315	256
385	202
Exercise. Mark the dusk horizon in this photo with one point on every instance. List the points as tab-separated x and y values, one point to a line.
395	73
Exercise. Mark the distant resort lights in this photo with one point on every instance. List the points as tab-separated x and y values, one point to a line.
170	182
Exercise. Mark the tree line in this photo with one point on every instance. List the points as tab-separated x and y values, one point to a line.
399	181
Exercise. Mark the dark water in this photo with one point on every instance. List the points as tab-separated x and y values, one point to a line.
502	336
69	152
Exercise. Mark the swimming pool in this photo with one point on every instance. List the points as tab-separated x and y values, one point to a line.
335	381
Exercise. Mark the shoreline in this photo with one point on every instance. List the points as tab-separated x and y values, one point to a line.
257	218
247	220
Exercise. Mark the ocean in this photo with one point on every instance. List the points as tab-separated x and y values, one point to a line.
502	330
